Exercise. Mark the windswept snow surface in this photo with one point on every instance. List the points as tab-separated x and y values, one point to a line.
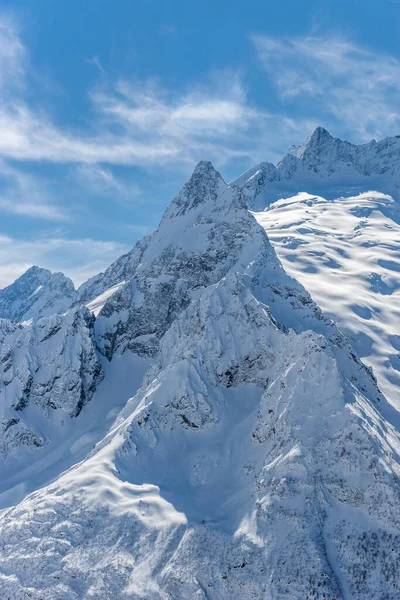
256	458
346	252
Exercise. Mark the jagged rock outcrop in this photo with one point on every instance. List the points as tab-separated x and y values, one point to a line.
205	233
47	368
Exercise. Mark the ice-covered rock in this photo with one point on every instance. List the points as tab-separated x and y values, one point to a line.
254	462
205	233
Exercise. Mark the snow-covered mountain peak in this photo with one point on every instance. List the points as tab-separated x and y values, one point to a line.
205	185
254	461
317	141
327	156
323	154
35	294
204	167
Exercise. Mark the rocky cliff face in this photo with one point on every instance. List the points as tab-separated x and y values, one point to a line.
327	155
203	235
48	370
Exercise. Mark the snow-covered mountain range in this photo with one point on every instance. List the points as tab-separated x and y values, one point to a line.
190	424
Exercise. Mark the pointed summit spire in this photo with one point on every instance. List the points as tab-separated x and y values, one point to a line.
319	138
320	133
204	166
205	185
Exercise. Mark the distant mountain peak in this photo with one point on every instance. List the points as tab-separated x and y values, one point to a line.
35	270
320	132
320	158
204	166
36	293
319	139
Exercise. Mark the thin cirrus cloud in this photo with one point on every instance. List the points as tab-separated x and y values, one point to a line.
100	180
26	195
165	127
350	86
164	132
156	126
205	119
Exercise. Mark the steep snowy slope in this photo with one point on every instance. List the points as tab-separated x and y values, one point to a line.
37	293
346	252
258	460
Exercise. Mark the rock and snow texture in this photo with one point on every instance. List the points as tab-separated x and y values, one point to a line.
346	252
325	165
258	458
205	233
49	370
37	293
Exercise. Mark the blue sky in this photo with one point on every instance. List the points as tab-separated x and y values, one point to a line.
106	107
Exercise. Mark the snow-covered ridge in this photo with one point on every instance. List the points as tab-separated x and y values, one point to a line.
324	165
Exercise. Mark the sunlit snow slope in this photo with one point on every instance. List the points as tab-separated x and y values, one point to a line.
346	252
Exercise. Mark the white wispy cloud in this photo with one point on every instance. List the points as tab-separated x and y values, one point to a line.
12	54
205	118
100	180
166	30
95	62
156	125
26	195
338	79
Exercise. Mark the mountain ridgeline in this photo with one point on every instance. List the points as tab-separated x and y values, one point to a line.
190	424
